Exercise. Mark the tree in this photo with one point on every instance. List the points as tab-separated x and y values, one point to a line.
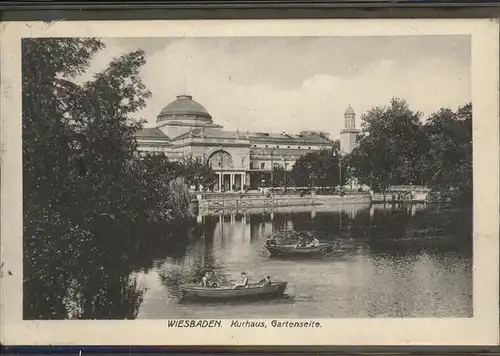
281	178
197	172
390	146
164	185
49	236
319	168
447	164
46	65
80	179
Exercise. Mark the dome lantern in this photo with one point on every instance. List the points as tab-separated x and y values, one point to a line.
350	118
349	111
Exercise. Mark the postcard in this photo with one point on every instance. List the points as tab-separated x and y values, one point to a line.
250	182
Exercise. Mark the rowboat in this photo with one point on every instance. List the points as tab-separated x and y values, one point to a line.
222	293
291	250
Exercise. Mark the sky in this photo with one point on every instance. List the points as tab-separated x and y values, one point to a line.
275	84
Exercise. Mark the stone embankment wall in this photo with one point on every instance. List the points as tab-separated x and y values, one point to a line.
408	194
236	201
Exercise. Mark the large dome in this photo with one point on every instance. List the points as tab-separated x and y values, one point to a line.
184	107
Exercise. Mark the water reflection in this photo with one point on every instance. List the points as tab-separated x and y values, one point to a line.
395	261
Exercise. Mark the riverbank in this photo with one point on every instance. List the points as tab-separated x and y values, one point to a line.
241	201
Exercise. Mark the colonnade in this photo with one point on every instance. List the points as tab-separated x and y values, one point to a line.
236	180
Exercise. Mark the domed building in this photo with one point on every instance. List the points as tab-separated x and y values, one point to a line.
241	159
183	114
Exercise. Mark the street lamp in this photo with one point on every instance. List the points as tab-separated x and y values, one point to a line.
312	175
272	168
285	175
339	155
196	182
263	152
340	172
221	163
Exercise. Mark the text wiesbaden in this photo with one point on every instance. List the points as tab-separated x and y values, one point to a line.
243	324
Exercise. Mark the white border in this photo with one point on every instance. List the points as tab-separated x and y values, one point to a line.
482	329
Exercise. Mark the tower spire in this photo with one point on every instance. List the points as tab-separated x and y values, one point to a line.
350	118
349	133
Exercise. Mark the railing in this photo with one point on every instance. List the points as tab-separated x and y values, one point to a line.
407	188
270	193
228	195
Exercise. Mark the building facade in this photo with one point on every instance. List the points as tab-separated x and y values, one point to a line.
240	159
349	133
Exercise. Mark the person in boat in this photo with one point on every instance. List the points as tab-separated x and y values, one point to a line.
243	283
208	281
205	281
314	242
301	242
265	282
271	241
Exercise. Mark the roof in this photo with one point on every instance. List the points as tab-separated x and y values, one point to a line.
258	137
281	152
184	105
310	138
349	111
151	132
210	132
181	123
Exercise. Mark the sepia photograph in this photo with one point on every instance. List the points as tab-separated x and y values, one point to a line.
251	182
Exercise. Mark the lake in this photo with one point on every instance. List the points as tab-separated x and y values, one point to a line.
395	261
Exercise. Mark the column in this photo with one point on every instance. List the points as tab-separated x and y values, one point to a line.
231	181
242	181
220	182
247	179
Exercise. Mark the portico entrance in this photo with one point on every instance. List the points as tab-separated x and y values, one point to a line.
233	181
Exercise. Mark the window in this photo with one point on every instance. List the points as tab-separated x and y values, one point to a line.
277	146
262	165
266	146
309	147
299	147
288	146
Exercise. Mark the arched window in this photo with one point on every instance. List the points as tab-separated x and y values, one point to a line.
220	160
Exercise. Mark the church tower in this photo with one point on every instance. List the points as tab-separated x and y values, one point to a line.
349	133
